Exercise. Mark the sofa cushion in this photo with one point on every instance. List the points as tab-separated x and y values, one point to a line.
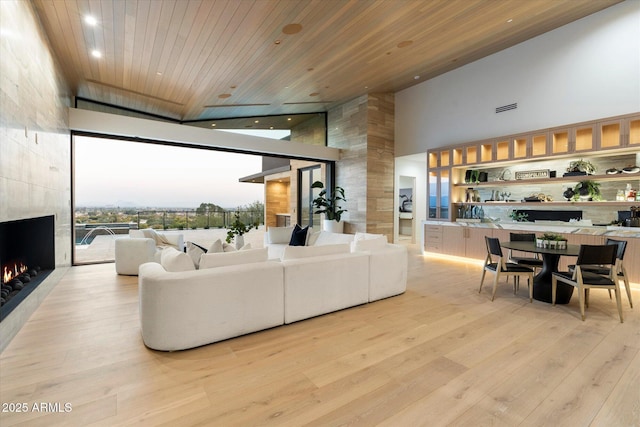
279	234
233	258
299	236
297	252
370	244
215	247
174	260
195	251
329	238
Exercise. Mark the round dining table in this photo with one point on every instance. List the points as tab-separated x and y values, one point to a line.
550	260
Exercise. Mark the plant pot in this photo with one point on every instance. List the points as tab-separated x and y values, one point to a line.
239	241
332	226
562	244
540	243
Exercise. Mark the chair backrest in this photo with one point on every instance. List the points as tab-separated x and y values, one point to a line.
522	237
493	246
622	247
597	255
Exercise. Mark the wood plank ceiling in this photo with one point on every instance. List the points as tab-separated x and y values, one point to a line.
206	59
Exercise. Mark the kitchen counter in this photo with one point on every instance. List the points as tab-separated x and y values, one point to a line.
594	230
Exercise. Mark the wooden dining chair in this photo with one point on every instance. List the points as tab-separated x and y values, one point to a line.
499	266
620	271
602	256
532	262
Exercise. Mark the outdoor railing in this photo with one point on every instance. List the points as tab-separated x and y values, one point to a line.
183	219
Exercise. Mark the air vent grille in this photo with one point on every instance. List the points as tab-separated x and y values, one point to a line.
506	108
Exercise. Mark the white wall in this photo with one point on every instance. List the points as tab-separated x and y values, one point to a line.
586	70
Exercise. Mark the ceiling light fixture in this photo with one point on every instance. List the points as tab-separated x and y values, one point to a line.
90	20
416	77
277	42
404	44
510	20
257	121
314	94
159	73
288	118
224	95
96	53
213	124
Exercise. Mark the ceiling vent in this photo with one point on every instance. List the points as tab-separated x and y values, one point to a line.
506	108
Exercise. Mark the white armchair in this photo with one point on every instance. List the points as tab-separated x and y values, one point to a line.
143	246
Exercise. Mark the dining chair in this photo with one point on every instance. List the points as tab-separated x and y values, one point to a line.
532	262
620	271
590	255
501	266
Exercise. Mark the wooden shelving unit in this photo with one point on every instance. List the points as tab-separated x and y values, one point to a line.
575	178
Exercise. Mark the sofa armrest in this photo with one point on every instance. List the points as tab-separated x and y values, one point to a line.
387	271
131	253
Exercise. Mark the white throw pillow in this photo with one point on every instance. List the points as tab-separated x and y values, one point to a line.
297	252
279	234
312	237
369	244
227	247
195	252
216	247
233	258
328	238
173	260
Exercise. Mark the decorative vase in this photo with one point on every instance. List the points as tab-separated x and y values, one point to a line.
568	193
239	241
333	226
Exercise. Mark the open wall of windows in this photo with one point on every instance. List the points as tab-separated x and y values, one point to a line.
122	185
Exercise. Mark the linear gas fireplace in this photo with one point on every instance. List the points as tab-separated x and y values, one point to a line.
27	256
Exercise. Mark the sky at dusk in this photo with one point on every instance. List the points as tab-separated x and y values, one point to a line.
132	174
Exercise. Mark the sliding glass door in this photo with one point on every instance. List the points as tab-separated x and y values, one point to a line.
306	194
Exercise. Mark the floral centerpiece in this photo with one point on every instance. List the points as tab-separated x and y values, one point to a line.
551	241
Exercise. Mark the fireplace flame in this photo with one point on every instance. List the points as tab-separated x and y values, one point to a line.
11	271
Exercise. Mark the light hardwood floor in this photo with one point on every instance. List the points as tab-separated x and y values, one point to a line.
440	354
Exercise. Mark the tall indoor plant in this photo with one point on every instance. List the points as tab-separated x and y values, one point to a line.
237	229
330	207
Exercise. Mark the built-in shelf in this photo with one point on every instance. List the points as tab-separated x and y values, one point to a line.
575	178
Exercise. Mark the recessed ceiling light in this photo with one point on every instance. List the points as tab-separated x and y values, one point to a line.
309	69
292	29
405	43
510	20
213	124
277	42
233	86
96	53
416	77
257	121
289	118
270	127
90	20
159	73
224	95
314	94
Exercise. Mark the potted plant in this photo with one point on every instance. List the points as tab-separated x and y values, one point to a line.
237	229
587	190
330	207
551	241
580	167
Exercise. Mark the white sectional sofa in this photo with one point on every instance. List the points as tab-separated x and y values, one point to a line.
186	309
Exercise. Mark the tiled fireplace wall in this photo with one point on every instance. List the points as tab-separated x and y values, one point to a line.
35	159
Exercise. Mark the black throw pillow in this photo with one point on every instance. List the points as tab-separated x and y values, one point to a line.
299	236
